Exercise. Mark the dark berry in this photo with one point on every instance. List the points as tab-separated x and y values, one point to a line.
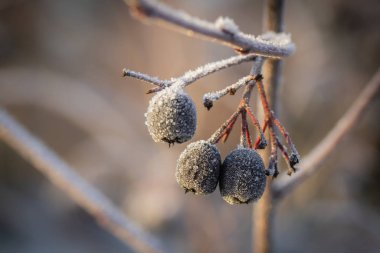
171	116
198	168
242	176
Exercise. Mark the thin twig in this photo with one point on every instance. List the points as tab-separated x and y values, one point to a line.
211	97
193	75
312	162
146	78
223	30
68	180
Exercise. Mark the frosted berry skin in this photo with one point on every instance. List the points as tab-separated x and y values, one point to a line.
242	176
171	116
198	168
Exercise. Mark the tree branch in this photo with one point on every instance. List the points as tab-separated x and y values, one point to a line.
213	96
68	180
264	210
312	162
224	30
192	75
146	78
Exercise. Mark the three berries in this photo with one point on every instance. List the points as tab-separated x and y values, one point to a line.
172	117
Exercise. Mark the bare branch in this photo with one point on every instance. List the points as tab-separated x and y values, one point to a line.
210	97
311	163
193	75
68	180
146	78
264	211
223	30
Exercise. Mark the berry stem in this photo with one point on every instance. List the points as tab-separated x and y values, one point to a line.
261	142
224	128
245	138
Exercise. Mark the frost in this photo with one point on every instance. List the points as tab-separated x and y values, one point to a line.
242	177
226	24
213	96
171	116
198	167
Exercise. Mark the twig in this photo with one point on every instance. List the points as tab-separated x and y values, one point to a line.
146	78
312	162
225	129
210	97
223	30
65	177
193	75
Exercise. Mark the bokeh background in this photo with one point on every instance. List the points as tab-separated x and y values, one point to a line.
60	75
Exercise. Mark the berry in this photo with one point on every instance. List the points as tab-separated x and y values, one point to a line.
171	116
198	168
242	177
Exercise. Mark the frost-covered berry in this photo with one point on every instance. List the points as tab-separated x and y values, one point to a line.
198	168
171	116
242	176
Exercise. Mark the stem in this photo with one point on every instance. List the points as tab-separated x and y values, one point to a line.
214	31
263	211
192	75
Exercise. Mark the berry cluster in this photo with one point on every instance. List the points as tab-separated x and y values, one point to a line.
171	117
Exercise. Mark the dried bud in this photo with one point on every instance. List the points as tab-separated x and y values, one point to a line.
198	168
171	116
242	178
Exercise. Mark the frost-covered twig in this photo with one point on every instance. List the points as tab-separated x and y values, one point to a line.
210	97
65	177
146	78
224	30
193	75
312	162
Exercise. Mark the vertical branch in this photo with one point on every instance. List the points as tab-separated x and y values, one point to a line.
263	211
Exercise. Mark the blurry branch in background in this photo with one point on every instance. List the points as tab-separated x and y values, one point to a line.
68	180
223	30
264	210
313	161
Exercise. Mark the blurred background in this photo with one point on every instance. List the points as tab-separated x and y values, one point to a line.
60	75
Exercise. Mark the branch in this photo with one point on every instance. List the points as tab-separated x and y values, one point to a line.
210	97
146	78
224	30
68	180
264	211
312	162
192	75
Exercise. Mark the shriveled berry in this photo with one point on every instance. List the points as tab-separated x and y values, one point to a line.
171	116
242	176
198	168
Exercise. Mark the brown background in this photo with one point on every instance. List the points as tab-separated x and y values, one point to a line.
60	75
